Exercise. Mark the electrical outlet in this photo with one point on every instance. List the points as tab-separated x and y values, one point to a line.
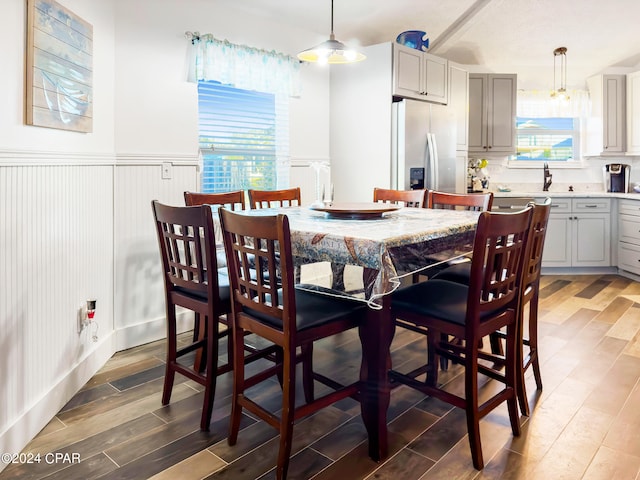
167	168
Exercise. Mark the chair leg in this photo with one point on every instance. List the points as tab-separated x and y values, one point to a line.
211	371
471	402
238	385
172	347
200	360
307	372
444	362
533	338
512	367
433	358
287	417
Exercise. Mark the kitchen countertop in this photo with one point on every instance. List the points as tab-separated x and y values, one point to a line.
584	194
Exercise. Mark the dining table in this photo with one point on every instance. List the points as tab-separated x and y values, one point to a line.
389	243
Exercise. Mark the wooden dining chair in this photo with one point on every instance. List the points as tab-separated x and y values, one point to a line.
529	297
408	198
188	252
289	317
490	302
479	202
288	197
234	200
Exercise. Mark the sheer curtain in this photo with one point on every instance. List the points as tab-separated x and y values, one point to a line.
241	66
539	103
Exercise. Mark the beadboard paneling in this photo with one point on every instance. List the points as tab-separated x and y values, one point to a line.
56	251
139	296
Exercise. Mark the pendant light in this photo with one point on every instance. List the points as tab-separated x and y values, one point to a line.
560	56
331	51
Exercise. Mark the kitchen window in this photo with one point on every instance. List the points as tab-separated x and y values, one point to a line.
243	138
549	129
548	139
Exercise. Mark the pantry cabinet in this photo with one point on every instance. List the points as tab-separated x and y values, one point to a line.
578	233
606	127
492	114
419	75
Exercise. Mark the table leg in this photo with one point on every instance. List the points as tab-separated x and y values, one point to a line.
376	335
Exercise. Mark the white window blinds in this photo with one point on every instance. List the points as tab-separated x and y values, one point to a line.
243	138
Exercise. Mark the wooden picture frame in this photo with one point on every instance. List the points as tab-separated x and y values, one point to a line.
59	77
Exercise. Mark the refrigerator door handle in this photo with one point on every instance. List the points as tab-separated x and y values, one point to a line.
432	165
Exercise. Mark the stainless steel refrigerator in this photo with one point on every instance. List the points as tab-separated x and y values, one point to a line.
423	147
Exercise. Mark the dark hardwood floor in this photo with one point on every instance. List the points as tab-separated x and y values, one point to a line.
585	423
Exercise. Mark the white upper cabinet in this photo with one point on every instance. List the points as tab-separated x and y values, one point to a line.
633	113
606	128
492	113
419	75
459	101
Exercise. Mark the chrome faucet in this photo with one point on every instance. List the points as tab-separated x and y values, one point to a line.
547	178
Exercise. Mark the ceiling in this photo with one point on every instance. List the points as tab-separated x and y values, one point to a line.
514	34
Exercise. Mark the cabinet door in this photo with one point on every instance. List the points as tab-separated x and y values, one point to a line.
501	113
435	75
613	109
591	240
557	243
606	129
492	113
458	101
633	113
477	113
407	72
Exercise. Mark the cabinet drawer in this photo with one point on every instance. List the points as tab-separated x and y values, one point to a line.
629	207
629	229
629	257
591	205
558	205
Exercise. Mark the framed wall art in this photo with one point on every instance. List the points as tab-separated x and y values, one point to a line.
59	90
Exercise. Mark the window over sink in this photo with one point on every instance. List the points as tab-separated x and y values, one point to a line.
548	139
550	129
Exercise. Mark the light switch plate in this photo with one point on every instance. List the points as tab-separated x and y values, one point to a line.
167	170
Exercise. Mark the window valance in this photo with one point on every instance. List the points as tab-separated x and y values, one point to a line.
539	103
241	66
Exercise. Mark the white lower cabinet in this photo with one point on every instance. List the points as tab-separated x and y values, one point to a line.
629	236
578	233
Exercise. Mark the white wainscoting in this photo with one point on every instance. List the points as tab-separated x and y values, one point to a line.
139	291
56	251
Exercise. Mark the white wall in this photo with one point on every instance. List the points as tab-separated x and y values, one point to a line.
56	236
75	215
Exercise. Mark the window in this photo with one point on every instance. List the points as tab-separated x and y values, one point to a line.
548	138
243	137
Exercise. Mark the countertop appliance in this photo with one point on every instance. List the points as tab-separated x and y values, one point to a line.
423	146
616	177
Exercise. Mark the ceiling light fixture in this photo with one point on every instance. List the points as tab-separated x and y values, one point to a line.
561	73
331	51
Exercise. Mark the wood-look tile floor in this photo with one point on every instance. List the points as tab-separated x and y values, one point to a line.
585	423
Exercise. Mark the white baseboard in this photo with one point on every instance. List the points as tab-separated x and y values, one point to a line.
149	331
40	413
